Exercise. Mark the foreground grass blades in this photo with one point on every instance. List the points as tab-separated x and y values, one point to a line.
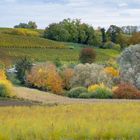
71	122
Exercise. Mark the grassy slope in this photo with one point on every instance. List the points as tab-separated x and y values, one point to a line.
10	55
71	122
17	41
12	47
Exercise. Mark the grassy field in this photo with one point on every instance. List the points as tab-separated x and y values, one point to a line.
97	121
18	41
10	55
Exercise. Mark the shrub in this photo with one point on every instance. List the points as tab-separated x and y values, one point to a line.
2	75
99	91
90	74
129	63
87	55
111	71
75	92
5	88
84	95
86	74
93	88
117	47
5	85
45	77
109	45
23	66
102	93
126	91
67	75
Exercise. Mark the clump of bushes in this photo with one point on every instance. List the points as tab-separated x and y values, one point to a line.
94	91
45	77
2	75
76	92
111	45
5	88
90	74
87	55
129	63
93	88
126	91
86	74
100	91
5	85
85	95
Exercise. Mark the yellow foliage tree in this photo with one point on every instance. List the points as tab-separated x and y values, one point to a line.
5	85
2	75
111	71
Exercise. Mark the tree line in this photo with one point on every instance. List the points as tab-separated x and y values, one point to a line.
77	32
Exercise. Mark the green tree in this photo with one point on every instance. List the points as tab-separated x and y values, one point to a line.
21	25
71	31
123	40
56	32
32	25
23	66
113	32
104	39
29	25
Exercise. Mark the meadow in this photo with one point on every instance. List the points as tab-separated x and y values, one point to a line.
11	55
97	121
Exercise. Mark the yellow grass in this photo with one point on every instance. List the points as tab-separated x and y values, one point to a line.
97	121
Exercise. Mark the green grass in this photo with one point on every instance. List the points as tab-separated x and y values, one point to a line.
19	41
10	55
98	121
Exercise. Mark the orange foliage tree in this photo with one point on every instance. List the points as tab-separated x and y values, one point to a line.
46	77
67	74
135	39
126	91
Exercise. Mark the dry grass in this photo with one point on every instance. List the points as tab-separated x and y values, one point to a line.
97	121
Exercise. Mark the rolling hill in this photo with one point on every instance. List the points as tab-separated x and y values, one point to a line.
26	42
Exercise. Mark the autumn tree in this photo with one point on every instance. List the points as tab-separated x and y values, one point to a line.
135	39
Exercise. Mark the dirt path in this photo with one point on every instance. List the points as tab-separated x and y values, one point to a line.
48	98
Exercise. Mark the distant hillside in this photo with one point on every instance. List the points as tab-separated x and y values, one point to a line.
15	44
17	38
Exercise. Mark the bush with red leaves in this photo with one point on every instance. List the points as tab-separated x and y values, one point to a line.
126	91
87	55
